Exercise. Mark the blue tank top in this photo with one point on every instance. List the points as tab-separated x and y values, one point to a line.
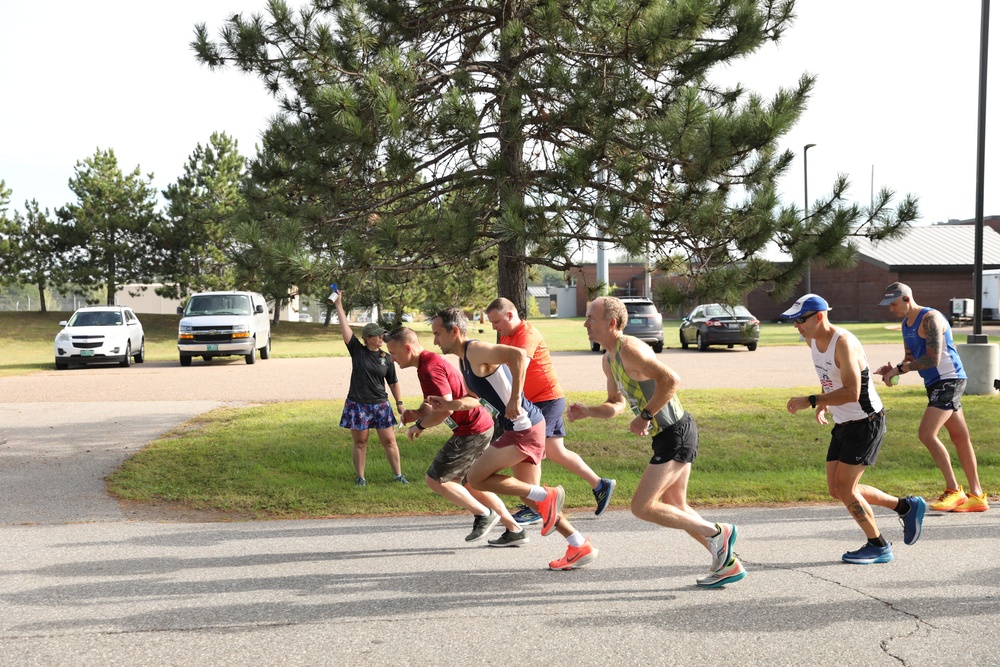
950	366
494	392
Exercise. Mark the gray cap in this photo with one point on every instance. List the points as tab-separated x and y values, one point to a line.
372	329
893	292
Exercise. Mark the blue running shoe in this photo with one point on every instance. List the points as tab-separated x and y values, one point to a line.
868	554
602	494
913	520
526	516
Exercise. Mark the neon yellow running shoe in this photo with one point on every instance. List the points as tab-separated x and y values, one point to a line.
974	503
949	500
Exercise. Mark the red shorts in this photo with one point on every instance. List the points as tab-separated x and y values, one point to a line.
531	443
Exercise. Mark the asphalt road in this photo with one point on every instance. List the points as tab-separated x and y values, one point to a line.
84	582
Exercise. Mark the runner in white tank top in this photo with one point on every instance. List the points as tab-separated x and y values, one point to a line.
848	393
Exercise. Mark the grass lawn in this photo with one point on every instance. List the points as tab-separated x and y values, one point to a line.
293	460
27	337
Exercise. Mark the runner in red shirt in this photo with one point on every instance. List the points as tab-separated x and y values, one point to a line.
472	431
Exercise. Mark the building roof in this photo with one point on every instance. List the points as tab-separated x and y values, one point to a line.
930	248
538	291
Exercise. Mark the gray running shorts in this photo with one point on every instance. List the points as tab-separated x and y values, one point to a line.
454	459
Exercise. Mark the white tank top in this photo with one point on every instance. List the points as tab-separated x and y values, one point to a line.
829	379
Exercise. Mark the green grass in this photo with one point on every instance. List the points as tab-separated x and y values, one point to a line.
293	460
26	338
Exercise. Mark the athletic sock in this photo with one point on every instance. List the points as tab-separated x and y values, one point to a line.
537	493
878	541
902	507
576	539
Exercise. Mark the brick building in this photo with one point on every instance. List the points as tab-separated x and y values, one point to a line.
936	261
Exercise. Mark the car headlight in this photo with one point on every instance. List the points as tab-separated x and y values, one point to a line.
63	337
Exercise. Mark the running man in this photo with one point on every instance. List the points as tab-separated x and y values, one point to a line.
636	378
928	348
472	431
494	376
541	387
859	425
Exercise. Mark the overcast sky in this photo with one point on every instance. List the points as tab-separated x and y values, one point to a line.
897	92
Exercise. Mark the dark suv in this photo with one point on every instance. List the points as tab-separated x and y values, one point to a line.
644	322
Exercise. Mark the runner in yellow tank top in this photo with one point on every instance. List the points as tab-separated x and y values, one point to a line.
637	378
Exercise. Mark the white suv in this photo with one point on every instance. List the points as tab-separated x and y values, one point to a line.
224	324
100	334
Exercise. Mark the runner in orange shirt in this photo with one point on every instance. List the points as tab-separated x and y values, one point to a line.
541	387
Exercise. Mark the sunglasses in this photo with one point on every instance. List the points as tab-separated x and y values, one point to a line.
801	320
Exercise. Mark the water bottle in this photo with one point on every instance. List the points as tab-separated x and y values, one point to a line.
332	299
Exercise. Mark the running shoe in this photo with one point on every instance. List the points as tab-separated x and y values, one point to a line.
949	500
729	574
361	482
913	520
551	508
602	494
575	557
974	504
401	479
868	554
721	545
526	516
509	539
482	525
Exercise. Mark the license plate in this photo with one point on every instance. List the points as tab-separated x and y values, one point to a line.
637	320
86	353
734	325
212	348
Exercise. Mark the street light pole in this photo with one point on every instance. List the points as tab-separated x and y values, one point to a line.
805	174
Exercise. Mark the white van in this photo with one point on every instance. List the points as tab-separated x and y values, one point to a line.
224	324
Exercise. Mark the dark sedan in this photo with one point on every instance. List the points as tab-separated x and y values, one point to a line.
718	324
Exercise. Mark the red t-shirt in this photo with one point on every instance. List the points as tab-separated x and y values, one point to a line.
540	381
439	378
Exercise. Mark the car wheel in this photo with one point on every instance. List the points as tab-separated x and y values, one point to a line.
684	343
751	346
61	365
252	357
206	358
127	361
265	352
185	360
141	356
729	347
702	345
657	347
594	347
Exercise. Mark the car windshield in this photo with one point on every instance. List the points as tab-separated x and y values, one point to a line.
727	311
96	318
218	304
640	308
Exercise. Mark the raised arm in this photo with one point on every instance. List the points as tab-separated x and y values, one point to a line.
345	328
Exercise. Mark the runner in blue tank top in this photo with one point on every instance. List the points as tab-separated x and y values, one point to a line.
494	377
929	349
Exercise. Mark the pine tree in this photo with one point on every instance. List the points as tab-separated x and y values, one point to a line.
530	128
109	230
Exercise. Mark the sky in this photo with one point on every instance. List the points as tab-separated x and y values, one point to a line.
897	95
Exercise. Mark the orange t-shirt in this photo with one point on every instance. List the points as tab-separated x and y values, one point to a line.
540	381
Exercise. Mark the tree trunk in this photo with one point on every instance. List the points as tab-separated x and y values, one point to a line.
512	275
41	296
511	263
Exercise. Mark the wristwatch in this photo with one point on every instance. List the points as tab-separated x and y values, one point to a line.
645	415
812	400
899	367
